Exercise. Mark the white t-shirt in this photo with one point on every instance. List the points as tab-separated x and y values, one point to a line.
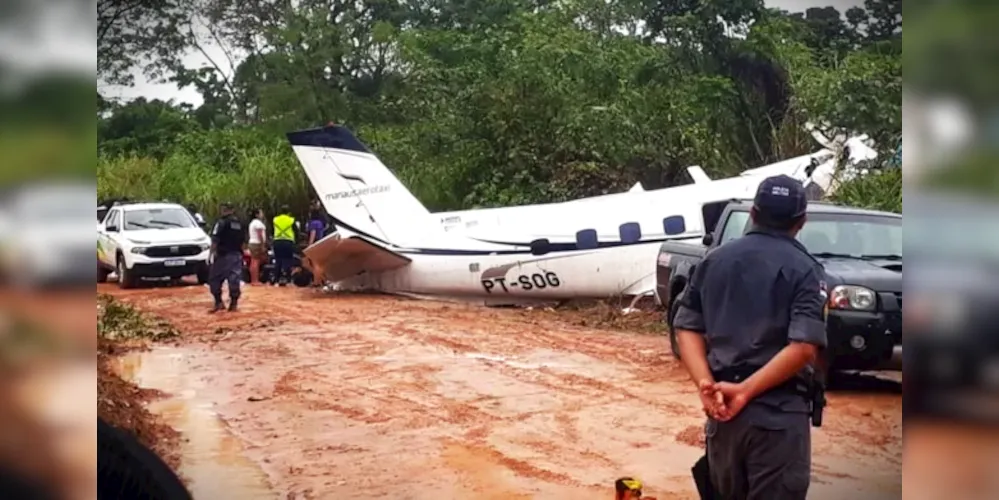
256	226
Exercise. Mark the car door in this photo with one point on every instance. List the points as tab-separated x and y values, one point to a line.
107	241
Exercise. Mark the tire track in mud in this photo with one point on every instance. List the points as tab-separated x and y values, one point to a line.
508	404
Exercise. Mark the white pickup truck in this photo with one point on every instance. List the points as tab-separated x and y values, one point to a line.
151	240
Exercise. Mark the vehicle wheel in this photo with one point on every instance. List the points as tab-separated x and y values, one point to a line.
674	306
203	275
125	278
102	274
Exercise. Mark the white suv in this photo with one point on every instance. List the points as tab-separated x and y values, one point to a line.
151	240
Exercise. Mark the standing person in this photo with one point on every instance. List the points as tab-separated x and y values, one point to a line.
228	240
284	244
197	215
258	244
328	226
316	226
749	325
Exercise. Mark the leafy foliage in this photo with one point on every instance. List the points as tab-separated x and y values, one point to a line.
117	321
493	102
879	190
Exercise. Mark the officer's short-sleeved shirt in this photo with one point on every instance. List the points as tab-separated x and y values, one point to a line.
750	297
228	235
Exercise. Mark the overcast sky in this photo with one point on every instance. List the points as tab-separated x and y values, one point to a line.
165	91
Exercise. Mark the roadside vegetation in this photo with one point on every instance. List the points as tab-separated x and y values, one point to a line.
494	102
120	321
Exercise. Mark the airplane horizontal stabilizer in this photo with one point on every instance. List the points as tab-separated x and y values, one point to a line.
335	259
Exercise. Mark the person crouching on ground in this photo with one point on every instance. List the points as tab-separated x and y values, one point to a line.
284	245
258	244
228	241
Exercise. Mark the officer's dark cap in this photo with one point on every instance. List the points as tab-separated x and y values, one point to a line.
780	199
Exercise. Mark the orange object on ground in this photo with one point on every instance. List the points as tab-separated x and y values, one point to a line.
628	488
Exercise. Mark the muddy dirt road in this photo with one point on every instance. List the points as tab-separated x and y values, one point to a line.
303	395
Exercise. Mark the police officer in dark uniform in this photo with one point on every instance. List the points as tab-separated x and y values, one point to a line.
228	240
750	325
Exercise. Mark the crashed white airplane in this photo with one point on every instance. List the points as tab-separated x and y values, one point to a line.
598	247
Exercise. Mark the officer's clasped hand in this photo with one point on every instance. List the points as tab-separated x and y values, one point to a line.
712	400
723	400
735	396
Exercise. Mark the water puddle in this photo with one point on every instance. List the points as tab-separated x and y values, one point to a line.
211	457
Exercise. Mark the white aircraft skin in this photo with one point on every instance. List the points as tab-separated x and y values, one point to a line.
388	241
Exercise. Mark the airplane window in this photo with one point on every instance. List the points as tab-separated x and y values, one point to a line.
674	225
586	239
540	247
631	232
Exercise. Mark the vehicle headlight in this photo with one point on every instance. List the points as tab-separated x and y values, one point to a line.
139	250
205	246
138	242
852	297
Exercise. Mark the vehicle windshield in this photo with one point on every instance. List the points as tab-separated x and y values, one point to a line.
157	218
854	236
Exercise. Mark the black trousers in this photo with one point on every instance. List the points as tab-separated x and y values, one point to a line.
226	267
284	256
751	462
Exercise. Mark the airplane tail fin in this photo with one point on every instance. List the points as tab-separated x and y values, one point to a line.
359	192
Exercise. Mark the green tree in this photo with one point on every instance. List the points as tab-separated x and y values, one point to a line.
143	128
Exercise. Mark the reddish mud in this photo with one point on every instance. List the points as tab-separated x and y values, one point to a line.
325	396
122	404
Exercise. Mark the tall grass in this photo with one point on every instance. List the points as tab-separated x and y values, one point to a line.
881	189
251	169
264	175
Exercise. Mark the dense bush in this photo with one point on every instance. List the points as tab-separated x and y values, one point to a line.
881	189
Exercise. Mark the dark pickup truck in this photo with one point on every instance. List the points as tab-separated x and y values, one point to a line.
861	251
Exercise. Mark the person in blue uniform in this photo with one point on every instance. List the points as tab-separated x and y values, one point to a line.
228	242
749	326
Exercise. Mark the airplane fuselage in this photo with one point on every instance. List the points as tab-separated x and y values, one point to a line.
596	247
498	279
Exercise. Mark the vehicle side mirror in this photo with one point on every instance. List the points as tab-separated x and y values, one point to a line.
708	239
111	228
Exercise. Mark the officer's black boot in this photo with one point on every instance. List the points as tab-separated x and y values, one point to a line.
232	304
218	305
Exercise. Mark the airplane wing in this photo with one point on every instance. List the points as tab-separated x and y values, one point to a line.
337	258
